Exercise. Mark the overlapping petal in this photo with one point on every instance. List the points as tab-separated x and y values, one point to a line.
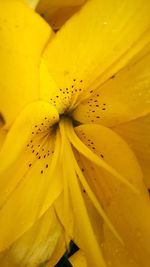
23	35
128	211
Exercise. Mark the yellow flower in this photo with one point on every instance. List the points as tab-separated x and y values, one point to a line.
65	172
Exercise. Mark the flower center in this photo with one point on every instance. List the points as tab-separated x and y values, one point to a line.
67	97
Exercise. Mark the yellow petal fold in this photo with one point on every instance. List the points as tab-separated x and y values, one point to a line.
23	35
56	12
124	97
94	44
137	135
29	156
129	212
37	245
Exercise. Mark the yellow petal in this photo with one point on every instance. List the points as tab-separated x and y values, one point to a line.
116	254
124	97
78	259
137	135
129	212
56	12
33	124
23	35
29	156
35	246
3	134
94	44
47	84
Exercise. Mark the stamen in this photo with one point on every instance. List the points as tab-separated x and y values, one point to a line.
94	200
86	186
89	241
65	182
